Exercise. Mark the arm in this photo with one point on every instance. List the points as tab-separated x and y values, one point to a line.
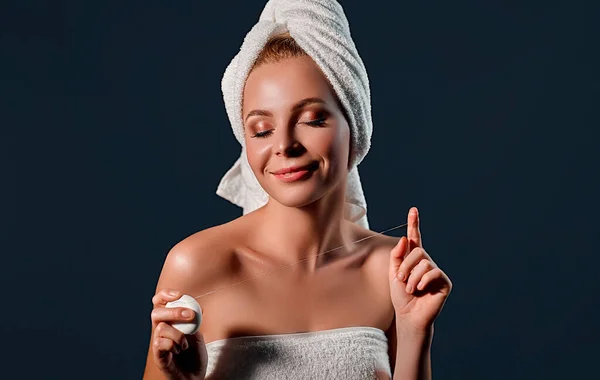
189	268
174	275
410	353
418	288
151	371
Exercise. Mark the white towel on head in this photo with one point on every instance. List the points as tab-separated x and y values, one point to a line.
321	29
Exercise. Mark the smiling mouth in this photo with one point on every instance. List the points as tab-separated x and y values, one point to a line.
293	169
296	173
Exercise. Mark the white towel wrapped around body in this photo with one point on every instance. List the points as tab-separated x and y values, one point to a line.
350	353
321	29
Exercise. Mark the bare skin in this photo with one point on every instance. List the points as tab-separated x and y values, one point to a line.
292	119
345	288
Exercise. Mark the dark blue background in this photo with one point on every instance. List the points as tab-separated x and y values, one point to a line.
114	137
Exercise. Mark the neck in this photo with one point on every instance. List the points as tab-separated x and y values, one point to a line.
301	233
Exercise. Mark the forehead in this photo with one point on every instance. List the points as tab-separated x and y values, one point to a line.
281	84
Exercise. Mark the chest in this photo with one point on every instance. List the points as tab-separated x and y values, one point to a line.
289	301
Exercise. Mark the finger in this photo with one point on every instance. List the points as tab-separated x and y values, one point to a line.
403	274
417	273
166	331
396	255
176	314
163	349
161	298
429	277
411	260
414	231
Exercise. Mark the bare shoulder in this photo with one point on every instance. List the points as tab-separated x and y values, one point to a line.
379	244
378	247
201	260
384	243
380	256
377	269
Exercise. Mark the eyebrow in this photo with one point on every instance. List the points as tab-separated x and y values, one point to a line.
302	103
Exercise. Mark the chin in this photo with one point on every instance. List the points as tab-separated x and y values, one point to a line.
302	190
298	194
296	201
295	196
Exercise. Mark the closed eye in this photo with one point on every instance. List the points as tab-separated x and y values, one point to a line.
263	134
315	123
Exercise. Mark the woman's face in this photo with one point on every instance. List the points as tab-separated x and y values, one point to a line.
297	138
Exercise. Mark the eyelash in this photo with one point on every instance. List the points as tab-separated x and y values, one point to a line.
316	123
312	123
262	134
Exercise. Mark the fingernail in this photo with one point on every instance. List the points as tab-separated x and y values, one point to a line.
409	288
420	285
401	276
173	292
185	345
187	313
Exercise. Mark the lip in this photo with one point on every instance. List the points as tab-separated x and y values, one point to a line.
292	169
295	173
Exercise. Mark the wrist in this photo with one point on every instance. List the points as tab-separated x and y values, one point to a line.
408	332
413	352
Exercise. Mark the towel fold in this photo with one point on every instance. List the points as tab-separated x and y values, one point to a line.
321	29
351	353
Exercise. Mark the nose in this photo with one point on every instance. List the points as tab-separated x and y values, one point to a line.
287	145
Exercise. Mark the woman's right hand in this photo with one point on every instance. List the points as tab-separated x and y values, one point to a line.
178	356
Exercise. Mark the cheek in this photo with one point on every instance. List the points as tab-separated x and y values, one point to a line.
339	146
258	154
333	145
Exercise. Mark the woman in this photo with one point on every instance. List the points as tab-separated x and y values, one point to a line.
343	307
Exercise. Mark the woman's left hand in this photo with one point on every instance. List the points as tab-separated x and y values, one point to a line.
418	287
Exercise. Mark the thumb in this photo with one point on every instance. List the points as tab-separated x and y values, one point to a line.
396	255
